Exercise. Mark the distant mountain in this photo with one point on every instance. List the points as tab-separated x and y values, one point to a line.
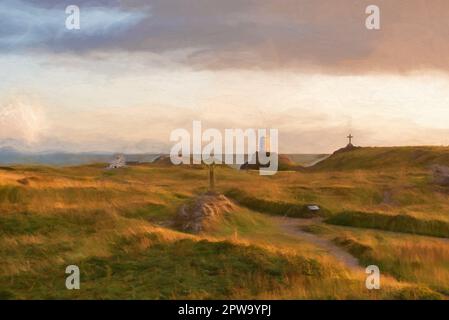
9	155
8	150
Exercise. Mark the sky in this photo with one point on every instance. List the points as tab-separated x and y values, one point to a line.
138	69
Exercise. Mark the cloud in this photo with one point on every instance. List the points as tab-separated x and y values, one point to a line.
21	120
138	69
142	129
317	35
25	25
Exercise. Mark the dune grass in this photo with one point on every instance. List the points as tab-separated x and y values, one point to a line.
152	265
386	157
396	223
279	208
147	267
417	259
116	226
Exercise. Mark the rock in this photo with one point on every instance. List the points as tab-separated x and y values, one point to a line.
284	163
253	166
203	212
388	198
348	148
24	181
441	175
313	208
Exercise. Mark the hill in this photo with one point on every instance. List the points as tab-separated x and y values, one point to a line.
117	226
385	157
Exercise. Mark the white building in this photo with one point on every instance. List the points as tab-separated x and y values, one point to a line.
118	162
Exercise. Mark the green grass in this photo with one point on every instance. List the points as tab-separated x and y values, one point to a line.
147	266
152	212
28	223
278	208
116	226
11	194
182	269
396	223
406	261
421	260
241	223
384	157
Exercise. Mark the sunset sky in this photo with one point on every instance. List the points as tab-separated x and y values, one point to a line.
139	69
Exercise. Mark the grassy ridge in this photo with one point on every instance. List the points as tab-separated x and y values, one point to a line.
396	223
158	269
392	264
29	223
151	266
199	269
383	157
278	208
115	226
421	260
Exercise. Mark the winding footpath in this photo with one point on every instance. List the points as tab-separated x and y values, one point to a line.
292	226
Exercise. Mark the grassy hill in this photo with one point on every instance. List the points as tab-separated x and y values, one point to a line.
385	157
115	225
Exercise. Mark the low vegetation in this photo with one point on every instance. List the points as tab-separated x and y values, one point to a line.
417	259
279	208
146	266
382	157
395	223
117	226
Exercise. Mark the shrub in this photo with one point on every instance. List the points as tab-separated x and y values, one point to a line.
278	208
396	223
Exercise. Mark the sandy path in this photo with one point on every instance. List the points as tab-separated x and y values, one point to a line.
292	227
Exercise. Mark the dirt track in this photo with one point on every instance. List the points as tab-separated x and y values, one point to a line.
292	226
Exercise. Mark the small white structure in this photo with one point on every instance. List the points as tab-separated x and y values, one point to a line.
118	162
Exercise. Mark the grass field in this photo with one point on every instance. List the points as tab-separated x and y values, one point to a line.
116	226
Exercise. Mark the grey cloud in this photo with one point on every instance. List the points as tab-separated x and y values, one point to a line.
323	35
31	26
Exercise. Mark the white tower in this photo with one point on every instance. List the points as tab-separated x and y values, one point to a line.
264	145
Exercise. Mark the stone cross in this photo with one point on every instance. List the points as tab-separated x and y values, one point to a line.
350	138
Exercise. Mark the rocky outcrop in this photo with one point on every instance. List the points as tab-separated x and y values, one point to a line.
253	163
26	181
203	212
441	175
348	148
284	164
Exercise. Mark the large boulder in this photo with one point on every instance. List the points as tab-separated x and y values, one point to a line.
441	175
348	148
203	212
